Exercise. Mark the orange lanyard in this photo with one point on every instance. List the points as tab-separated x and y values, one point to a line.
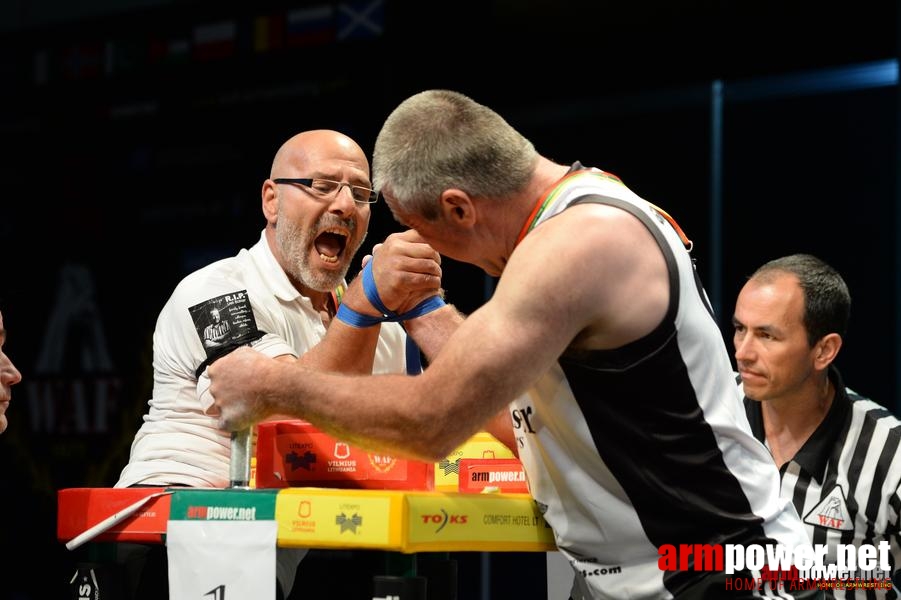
553	191
338	294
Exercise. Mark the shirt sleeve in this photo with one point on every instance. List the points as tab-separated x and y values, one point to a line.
271	345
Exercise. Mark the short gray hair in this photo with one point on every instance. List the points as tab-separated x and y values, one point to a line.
440	139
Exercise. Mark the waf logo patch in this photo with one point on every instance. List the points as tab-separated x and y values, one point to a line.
831	512
382	463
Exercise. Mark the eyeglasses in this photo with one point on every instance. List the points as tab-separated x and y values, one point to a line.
327	187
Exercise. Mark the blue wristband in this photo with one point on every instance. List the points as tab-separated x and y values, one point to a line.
351	317
372	292
423	308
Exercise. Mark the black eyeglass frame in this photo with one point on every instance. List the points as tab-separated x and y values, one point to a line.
308	182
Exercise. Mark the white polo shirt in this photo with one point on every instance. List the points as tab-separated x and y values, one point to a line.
179	443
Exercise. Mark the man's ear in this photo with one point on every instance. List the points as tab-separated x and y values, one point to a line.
827	349
456	207
269	195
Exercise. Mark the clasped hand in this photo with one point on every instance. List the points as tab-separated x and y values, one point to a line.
244	384
406	271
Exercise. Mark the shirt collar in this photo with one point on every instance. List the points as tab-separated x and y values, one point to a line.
814	454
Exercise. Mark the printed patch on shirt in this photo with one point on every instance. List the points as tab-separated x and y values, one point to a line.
224	321
831	512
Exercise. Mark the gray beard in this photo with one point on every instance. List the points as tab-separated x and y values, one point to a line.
296	245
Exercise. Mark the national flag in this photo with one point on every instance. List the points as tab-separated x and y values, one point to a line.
170	50
361	19
268	33
214	40
311	26
122	56
83	61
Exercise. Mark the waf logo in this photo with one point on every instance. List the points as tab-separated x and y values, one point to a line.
831	512
443	519
382	463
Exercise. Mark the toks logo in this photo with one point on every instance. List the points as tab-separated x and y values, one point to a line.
443	519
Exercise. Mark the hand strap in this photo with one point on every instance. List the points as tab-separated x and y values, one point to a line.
351	317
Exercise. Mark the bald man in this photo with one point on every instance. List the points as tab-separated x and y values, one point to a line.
281	296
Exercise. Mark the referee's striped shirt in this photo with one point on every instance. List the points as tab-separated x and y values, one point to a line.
844	481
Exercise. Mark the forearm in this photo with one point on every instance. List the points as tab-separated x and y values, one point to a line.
346	348
431	331
388	413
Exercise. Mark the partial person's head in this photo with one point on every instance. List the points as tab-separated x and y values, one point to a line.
9	376
789	321
439	146
315	226
214	314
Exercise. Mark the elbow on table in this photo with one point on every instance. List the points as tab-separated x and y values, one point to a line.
434	446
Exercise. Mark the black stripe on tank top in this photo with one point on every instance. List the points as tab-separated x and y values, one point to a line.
711	507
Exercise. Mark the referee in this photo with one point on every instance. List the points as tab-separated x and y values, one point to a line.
837	451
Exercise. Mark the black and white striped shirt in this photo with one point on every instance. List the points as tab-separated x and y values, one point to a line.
844	481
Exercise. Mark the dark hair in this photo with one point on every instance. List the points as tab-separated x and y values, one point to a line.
827	301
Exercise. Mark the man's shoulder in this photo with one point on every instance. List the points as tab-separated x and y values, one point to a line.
219	278
223	275
872	412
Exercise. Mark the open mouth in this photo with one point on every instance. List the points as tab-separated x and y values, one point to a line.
330	245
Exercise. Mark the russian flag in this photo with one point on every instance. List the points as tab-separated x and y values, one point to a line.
311	26
214	40
169	50
268	33
83	61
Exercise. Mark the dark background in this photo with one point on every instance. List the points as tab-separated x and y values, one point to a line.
134	152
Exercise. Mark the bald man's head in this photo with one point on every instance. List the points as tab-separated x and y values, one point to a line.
311	147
